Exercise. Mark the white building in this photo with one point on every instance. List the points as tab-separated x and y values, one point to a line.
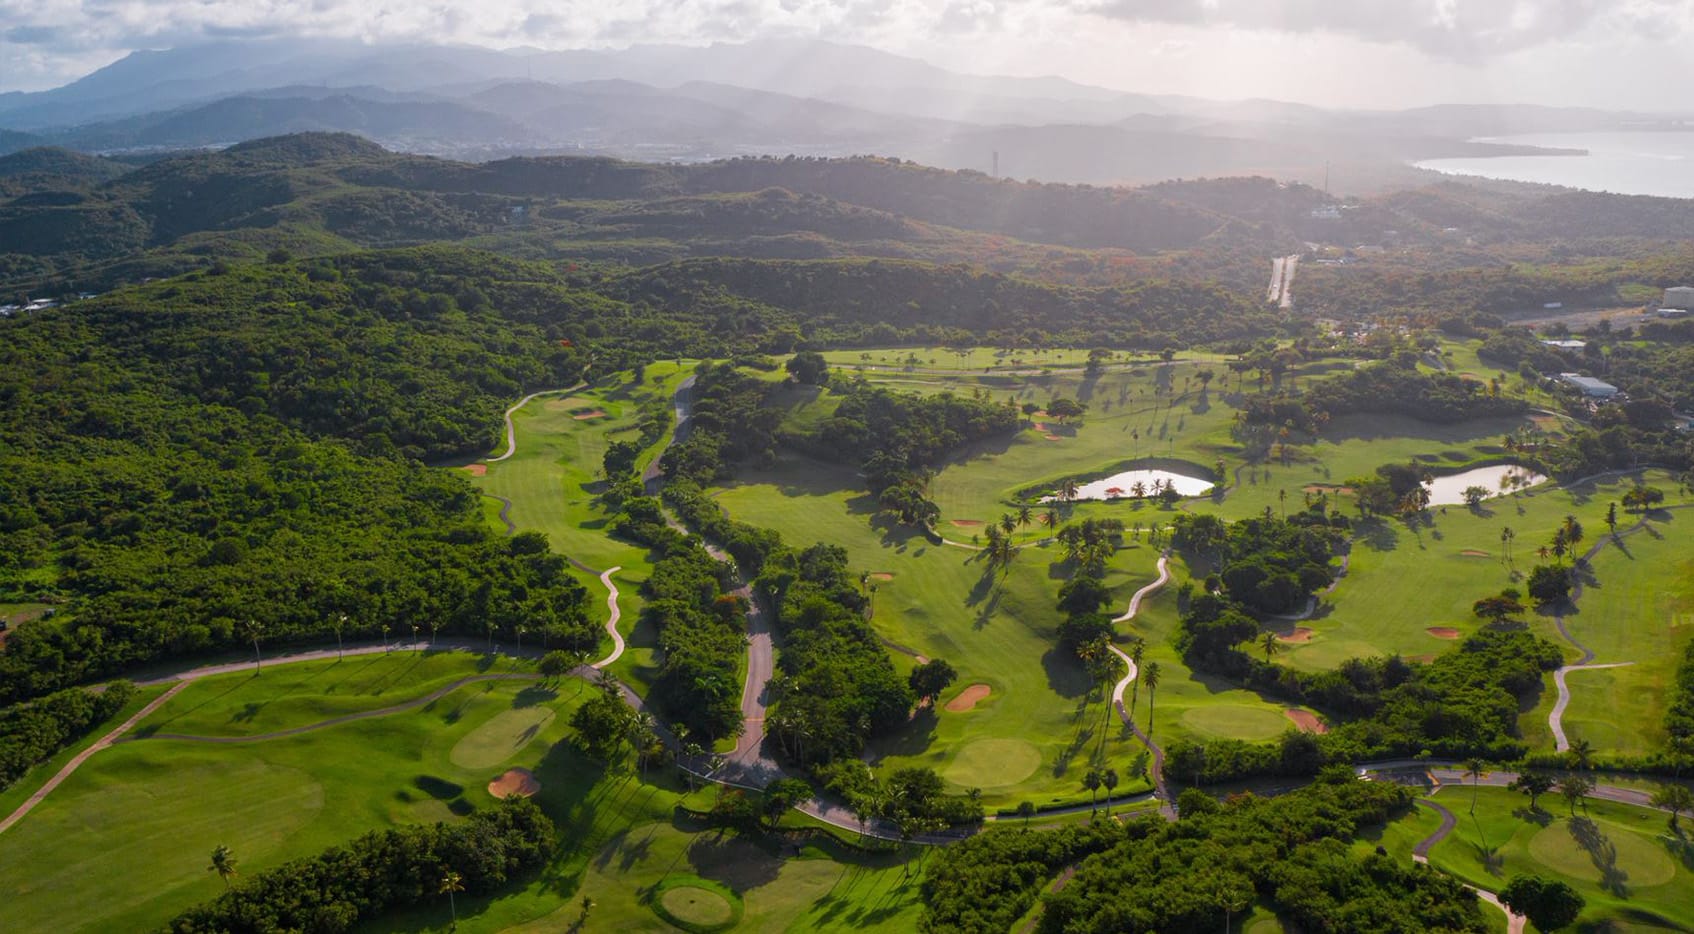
1591	387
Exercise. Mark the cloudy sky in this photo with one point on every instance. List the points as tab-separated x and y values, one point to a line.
1377	53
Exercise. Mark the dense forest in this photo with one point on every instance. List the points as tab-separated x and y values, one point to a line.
198	464
1290	852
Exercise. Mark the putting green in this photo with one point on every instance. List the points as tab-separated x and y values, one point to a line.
1566	849
696	905
993	763
502	737
1235	721
1324	654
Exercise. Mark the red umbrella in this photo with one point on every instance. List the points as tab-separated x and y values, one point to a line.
1114	491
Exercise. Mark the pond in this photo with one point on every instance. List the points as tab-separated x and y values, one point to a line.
1450	490
1122	485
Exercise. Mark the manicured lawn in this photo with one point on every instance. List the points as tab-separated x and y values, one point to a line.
1622	859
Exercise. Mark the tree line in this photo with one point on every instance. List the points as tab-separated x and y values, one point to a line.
30	734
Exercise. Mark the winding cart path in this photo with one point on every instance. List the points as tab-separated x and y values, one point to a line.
1166	807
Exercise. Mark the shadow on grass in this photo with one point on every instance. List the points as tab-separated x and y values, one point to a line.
1604	854
1065	675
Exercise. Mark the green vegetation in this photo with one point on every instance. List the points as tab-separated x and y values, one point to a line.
377	872
32	734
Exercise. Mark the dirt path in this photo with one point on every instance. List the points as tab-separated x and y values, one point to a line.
1420	853
83	756
512	430
1167	807
412	704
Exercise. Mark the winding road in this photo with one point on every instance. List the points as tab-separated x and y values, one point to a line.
1167	807
1555	717
1420	853
512	430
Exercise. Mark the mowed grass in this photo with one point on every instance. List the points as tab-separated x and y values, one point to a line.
1639	609
1042	725
554	479
282	696
123	843
1622	859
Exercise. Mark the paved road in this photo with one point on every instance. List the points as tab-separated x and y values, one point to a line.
81	757
1555	717
1167	807
512	430
614	615
1514	922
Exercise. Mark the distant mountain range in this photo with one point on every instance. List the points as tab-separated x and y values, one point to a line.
700	103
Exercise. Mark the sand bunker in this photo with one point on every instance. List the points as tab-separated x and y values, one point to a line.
592	413
475	470
968	698
1306	720
1443	632
1052	437
1300	634
514	782
1328	488
882	576
966	523
1473	553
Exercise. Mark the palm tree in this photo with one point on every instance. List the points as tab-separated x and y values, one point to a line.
1008	523
223	863
416	646
1067	490
1151	675
1269	644
1474	768
434	627
1051	518
254	629
520	630
1582	755
1135	654
1025	517
338	624
452	882
1092	782
492	625
1109	778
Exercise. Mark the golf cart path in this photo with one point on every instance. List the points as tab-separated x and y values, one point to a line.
1555	717
1166	807
512	430
612	620
1420	853
512	529
81	757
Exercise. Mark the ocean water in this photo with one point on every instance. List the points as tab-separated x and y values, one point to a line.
1625	163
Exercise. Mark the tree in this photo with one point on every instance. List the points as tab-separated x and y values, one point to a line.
557	663
254	630
452	882
1067	490
1062	408
1025	516
783	794
602	722
1135	652
1534	784
1582	754
223	863
1026	810
1474	768
619	459
338	623
928	680
1474	495
1675	799
1612	518
1151	676
1092	781
1498	609
1549	585
809	367
1109	778
1269	644
1548	904
1574	788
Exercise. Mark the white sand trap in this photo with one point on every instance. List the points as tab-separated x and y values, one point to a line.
1125	483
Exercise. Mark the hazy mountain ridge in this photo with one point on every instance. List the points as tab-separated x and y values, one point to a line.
709	102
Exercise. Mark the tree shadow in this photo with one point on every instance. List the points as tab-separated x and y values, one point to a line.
913	739
534	695
740	862
1604	854
1536	816
1065	675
